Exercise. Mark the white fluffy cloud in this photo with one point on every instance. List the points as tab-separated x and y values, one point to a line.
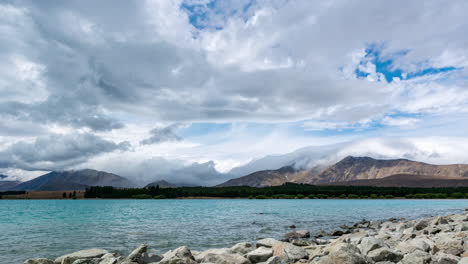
300	68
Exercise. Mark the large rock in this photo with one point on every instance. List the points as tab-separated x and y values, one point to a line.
442	258
316	251
39	261
87	261
298	234
241	248
224	259
370	243
342	254
421	224
463	260
273	260
449	243
212	251
181	255
385	254
440	220
150	258
422	244
260	254
82	254
342	245
417	257
267	242
137	254
301	242
289	252
109	261
464	226
110	258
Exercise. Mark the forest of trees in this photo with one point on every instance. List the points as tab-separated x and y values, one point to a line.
286	191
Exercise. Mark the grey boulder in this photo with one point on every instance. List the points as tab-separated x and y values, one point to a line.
289	252
267	242
417	257
181	255
137	254
39	261
225	259
82	254
273	260
385	254
370	243
241	248
260	254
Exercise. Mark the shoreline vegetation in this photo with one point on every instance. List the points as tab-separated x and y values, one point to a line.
285	191
433	240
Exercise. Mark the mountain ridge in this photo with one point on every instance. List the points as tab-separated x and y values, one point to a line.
73	180
262	178
166	184
407	180
351	168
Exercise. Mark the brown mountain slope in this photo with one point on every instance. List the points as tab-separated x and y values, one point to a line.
358	168
352	169
263	178
407	180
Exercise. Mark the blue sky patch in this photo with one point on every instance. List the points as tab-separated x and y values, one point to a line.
199	13
385	65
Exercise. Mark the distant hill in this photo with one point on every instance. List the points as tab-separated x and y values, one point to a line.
359	168
263	178
407	180
73	180
166	184
8	185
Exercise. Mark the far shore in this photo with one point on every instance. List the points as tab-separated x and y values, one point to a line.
79	195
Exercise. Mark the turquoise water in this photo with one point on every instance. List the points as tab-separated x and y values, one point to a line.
49	228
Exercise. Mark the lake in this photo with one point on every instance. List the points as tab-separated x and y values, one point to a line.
50	228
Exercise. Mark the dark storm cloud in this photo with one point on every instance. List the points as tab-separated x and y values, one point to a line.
56	151
164	134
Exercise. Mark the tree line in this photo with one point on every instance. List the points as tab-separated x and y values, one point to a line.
285	191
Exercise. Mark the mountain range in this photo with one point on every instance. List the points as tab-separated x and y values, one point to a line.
356	171
352	169
73	180
166	184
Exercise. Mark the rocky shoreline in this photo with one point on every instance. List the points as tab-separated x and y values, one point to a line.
434	240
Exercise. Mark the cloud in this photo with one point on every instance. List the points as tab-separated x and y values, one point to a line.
400	121
164	134
144	171
56	151
435	150
300	68
251	65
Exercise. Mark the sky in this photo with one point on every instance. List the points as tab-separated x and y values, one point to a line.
200	91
